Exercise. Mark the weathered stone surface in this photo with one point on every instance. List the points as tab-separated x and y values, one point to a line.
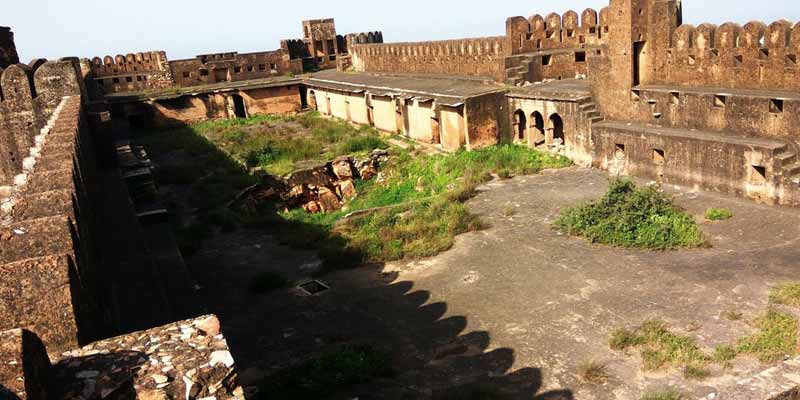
343	168
24	366
179	360
328	201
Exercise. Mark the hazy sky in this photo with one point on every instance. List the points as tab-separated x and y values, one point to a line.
183	28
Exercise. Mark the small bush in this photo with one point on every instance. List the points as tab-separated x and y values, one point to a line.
504	174
786	294
266	282
776	339
666	394
696	372
593	372
660	347
724	354
320	378
718	214
632	217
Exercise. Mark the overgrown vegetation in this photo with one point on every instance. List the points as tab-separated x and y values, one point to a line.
630	216
718	214
419	205
322	377
265	282
415	210
277	144
786	294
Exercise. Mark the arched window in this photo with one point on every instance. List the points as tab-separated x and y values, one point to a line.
557	125
520	126
537	133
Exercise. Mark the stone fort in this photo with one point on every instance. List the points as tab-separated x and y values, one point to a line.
629	89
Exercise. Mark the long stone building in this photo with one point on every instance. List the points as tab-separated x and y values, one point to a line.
630	89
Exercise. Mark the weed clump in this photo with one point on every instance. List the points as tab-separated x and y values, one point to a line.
660	347
321	377
629	216
593	372
718	214
666	394
786	294
266	282
776	339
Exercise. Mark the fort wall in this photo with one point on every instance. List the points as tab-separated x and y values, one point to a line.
557	31
131	72
479	57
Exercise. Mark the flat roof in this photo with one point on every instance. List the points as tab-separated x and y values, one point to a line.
563	90
685	133
209	88
445	90
726	91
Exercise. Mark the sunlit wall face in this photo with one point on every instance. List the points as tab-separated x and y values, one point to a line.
86	28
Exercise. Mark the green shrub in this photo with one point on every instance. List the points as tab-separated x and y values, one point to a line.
632	217
665	394
660	347
266	282
322	377
718	214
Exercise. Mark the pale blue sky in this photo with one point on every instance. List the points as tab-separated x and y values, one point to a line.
183	28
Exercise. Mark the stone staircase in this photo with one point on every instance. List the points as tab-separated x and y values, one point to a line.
789	164
517	68
589	110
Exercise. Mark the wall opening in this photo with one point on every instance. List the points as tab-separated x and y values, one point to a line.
238	106
558	129
547	60
580	57
538	138
675	98
776	106
619	150
758	174
720	101
639	55
791	60
303	97
659	157
520	125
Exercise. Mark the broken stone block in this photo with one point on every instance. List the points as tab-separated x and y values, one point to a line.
312	207
367	171
316	175
24	365
343	168
328	200
347	190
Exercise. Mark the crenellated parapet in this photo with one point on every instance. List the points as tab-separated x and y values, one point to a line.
556	31
754	56
467	57
131	72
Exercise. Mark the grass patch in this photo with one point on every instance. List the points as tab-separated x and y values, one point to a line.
718	214
593	372
660	347
733	315
629	216
695	372
776	339
786	294
724	354
422	200
322	377
266	282
664	394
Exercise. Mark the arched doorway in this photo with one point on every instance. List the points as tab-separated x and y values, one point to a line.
537	134
557	127
238	106
520	126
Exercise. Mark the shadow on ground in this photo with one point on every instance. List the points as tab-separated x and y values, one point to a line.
433	356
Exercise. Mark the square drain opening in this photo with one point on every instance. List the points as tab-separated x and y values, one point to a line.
314	287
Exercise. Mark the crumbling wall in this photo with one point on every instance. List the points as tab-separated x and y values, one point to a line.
481	57
487	121
233	67
131	72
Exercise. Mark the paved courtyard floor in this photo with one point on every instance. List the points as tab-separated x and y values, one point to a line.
516	308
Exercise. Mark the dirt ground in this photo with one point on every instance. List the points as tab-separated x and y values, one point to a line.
512	310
